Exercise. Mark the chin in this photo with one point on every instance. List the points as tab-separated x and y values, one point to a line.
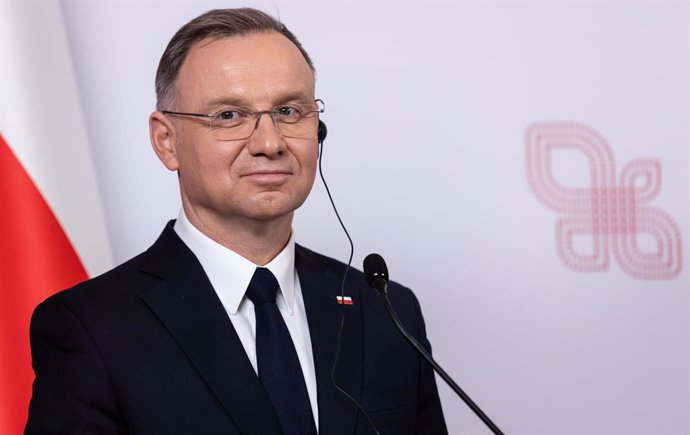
268	214
269	209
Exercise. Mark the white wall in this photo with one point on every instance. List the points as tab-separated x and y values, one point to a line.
427	105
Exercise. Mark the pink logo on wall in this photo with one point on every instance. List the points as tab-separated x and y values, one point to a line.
612	212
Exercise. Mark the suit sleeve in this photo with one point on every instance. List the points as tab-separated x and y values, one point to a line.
72	393
430	420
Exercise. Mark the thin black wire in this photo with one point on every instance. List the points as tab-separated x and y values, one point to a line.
342	295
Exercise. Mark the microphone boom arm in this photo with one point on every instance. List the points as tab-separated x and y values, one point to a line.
383	291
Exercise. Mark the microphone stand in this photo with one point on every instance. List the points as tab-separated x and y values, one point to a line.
437	368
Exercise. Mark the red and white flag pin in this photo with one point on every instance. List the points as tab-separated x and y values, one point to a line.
344	300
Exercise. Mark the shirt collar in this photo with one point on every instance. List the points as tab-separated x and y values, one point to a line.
230	273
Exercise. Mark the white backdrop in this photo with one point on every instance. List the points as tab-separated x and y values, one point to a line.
428	106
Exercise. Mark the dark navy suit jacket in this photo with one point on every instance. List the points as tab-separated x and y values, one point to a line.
148	348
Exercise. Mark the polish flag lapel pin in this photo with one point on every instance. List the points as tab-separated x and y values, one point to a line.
344	300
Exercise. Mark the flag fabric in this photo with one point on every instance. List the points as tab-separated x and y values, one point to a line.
52	229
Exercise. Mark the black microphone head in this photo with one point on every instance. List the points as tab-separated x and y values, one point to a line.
322	131
375	269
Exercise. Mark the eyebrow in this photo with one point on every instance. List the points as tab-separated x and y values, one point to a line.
244	104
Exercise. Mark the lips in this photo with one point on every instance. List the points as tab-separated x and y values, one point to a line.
268	176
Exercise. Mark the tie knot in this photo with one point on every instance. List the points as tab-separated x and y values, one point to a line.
263	287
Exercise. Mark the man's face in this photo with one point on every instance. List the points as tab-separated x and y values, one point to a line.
260	178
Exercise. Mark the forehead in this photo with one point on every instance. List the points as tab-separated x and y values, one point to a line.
258	68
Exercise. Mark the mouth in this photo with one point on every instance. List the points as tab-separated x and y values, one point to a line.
268	176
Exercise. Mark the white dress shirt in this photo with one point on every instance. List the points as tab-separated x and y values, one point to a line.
230	274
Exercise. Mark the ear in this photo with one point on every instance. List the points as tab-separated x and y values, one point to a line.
164	139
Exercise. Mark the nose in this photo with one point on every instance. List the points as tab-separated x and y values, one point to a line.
265	140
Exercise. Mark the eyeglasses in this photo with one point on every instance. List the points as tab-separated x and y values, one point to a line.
290	120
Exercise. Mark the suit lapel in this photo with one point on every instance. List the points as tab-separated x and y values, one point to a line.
320	286
185	302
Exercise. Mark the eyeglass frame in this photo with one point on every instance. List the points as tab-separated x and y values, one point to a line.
320	108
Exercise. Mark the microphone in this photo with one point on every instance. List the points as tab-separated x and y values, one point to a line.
376	275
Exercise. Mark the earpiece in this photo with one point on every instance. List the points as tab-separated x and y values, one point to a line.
321	135
322	131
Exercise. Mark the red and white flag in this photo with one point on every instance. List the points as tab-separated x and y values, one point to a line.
344	300
52	229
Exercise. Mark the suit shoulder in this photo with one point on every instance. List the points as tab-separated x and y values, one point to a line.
331	266
105	292
397	292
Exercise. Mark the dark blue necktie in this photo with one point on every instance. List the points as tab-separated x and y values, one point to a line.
278	366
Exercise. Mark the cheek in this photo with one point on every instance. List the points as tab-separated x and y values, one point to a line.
208	164
309	166
309	156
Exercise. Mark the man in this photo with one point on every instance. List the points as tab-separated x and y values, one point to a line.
172	341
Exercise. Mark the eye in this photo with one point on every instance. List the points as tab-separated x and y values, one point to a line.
228	115
290	114
229	118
